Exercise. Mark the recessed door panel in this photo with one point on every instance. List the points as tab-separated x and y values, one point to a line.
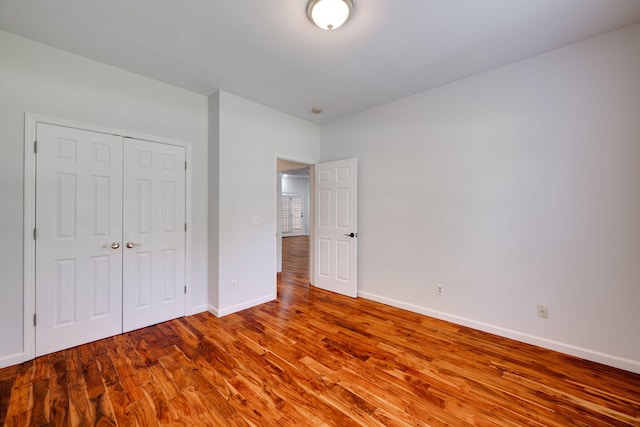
324	176
342	209
169	161
169	262
143	220
101	279
100	286
66	205
67	148
100	219
64	299
169	208
325	212
144	159
324	257
102	154
343	259
343	174
141	282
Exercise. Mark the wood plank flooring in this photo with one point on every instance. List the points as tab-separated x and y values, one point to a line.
313	358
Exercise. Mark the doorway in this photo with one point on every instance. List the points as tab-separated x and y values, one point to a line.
295	204
333	237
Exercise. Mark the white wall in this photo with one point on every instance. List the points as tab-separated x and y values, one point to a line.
38	79
251	136
517	187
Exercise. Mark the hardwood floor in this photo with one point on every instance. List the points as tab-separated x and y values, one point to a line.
313	358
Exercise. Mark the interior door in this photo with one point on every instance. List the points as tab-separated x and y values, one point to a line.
79	231
335	242
154	233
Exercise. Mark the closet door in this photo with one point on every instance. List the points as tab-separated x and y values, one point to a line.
154	233
79	232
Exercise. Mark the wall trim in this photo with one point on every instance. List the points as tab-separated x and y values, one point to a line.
220	312
213	310
584	353
29	247
12	359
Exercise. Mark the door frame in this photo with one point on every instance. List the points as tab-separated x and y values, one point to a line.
304	163
29	212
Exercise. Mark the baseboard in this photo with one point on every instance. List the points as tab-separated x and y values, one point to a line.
213	310
584	353
12	359
219	312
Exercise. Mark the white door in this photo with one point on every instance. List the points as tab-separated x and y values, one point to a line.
154	233
336	248
79	231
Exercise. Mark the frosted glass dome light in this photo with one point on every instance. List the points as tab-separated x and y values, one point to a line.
329	14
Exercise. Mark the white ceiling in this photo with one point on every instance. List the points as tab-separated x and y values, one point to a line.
269	52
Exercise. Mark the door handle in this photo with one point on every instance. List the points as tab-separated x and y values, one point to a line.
131	244
352	235
114	245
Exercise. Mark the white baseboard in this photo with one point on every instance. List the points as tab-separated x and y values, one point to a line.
213	310
584	353
12	359
219	312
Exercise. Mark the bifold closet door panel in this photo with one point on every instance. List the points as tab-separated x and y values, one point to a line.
79	233
154	233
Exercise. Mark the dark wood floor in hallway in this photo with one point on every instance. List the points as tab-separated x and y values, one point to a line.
313	358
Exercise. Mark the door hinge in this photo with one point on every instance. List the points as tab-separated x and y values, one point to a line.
35	319
185	165
35	233
185	227
185	289
35	147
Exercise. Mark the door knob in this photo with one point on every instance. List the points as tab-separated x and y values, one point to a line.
352	235
114	245
131	244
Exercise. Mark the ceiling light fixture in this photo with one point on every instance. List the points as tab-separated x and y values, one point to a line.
329	14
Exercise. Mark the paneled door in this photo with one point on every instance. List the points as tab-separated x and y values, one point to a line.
79	232
110	235
154	233
336	248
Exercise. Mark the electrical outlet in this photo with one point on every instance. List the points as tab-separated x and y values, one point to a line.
234	285
440	290
543	311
